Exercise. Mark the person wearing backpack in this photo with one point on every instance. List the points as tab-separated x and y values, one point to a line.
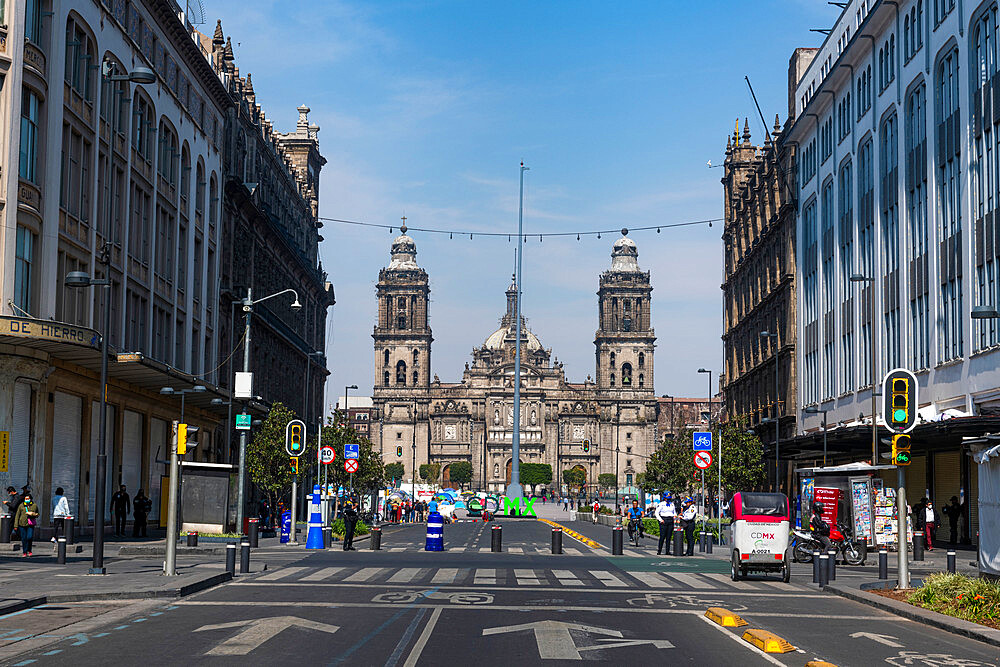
24	521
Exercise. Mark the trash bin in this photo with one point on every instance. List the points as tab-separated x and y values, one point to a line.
435	532
286	526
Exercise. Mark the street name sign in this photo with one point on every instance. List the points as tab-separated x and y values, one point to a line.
243	422
702	441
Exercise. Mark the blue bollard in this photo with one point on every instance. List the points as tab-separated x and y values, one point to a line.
314	539
435	532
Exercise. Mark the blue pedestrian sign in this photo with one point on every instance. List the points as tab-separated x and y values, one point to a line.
702	441
352	451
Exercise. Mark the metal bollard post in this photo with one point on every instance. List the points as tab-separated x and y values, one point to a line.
701	542
69	525
708	543
496	538
61	550
883	564
832	563
815	567
951	562
327	536
253	532
824	570
918	546
557	540
6	527
616	541
244	557
678	541
376	543
231	558
192	538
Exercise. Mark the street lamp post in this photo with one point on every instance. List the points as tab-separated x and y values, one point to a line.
859	278
813	410
248	303
81	279
777	406
197	389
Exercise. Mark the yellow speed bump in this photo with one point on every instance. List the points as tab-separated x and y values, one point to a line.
820	663
575	535
724	617
767	641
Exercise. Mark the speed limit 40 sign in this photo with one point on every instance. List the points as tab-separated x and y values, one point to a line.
327	454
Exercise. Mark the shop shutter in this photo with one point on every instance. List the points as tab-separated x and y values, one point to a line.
916	480
973	500
157	450
20	437
68	414
95	445
947	483
131	466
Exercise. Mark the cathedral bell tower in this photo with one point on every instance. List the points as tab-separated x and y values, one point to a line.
403	334
625	336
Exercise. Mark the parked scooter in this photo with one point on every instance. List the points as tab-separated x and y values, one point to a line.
853	551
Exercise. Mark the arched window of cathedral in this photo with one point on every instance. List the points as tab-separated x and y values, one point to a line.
496	469
385	357
496	416
614	312
416	357
612	360
626	374
612	379
641	381
627	322
642	360
416	377
401	303
385	379
401	321
401	372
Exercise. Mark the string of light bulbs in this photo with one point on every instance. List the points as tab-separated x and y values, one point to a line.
579	234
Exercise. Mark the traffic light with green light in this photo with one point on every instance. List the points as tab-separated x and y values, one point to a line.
586	446
901	450
293	465
399	450
899	401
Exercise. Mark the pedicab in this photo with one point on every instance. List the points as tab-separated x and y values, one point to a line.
760	534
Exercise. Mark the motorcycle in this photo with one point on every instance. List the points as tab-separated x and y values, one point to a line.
854	551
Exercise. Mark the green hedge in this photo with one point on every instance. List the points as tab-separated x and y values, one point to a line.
338	528
969	598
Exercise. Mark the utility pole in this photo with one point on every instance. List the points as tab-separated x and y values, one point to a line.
170	564
241	486
514	491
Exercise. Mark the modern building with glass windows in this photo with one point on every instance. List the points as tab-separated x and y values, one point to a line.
898	232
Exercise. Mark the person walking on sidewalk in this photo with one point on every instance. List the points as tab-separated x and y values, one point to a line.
141	506
350	521
953	511
120	506
930	522
596	508
60	510
665	513
687	522
24	521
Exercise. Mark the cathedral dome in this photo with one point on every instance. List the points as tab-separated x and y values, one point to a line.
498	338
625	254
404	252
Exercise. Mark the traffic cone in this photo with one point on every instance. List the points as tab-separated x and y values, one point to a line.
314	539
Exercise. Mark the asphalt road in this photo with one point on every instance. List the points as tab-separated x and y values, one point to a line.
405	606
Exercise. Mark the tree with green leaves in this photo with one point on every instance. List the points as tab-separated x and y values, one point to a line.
394	471
534	474
460	472
574	477
743	467
371	472
606	480
267	460
430	472
671	467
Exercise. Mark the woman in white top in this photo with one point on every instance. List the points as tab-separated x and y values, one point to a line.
60	510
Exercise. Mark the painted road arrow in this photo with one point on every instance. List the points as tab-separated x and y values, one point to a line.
888	640
258	631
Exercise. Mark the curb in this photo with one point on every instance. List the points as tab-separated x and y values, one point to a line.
218	549
956	626
575	535
57	598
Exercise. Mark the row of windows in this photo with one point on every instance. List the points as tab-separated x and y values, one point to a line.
826	140
913	30
887	63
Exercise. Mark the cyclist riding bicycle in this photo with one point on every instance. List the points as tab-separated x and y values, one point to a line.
634	520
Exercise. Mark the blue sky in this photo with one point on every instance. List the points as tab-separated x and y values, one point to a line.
427	107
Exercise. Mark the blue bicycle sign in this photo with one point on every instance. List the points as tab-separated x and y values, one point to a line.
702	441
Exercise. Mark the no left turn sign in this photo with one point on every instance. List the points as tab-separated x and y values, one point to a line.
702	460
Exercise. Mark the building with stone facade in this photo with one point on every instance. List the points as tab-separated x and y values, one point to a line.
677	413
759	292
472	419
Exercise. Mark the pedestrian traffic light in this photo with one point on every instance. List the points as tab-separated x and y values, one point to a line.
399	450
899	403
293	465
901	450
586	446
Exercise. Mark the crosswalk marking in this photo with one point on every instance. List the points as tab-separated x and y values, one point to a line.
780	585
567	578
321	574
572	551
687	580
485	550
725	579
651	579
445	575
486	576
516	550
526	578
364	574
397	549
607	578
404	576
281	574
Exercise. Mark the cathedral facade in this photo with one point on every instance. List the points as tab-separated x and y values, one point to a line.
605	424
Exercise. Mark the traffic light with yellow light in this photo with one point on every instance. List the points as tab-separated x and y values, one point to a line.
399	450
295	434
899	400
901	449
293	465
